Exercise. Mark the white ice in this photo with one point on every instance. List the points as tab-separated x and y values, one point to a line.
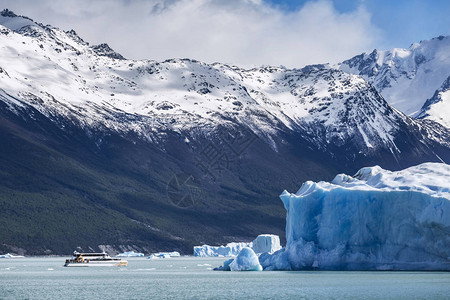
247	260
266	243
231	249
375	220
131	254
263	243
8	255
164	255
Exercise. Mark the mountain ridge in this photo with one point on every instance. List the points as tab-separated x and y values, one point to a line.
129	86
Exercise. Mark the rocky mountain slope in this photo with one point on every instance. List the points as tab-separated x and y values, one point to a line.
407	77
146	155
437	108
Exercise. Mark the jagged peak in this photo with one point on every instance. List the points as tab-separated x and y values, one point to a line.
374	54
438	38
74	36
14	22
105	50
8	13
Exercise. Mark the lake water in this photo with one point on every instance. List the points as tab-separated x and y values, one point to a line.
193	278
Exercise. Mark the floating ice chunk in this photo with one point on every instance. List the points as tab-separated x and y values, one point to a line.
154	256
131	254
231	249
171	254
247	260
164	255
376	219
266	243
226	265
9	255
263	243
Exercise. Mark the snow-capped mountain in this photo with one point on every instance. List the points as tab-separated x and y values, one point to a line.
61	75
437	108
407	77
108	134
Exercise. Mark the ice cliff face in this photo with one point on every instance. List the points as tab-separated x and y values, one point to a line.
406	77
231	249
263	243
376	219
266	243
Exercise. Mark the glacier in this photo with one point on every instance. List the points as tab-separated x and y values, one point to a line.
375	220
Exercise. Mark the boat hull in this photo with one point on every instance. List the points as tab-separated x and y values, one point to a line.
122	263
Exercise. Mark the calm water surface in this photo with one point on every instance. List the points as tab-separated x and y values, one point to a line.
192	278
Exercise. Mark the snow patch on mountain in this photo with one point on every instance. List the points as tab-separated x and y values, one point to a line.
437	108
405	77
59	74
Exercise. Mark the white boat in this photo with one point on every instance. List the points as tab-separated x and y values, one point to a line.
94	260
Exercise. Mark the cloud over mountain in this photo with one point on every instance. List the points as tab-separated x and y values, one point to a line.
242	32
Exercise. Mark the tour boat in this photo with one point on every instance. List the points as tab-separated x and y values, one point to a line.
94	260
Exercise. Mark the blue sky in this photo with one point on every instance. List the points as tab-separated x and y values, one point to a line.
401	22
247	33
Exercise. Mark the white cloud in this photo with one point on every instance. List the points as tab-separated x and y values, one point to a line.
242	32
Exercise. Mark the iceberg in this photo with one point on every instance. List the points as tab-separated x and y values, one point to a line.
263	243
375	220
266	243
231	249
130	254
9	255
164	255
226	265
247	260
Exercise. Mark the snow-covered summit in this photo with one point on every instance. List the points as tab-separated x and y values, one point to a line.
51	69
60	75
405	77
